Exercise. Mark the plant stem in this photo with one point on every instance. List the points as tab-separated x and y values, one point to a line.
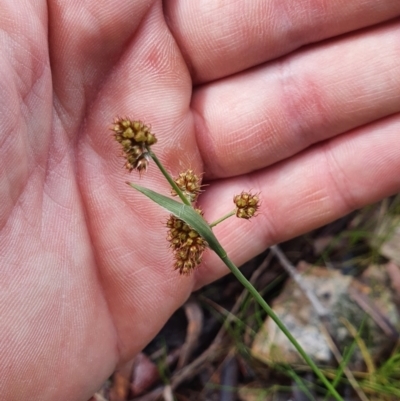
217	248
169	178
214	223
242	279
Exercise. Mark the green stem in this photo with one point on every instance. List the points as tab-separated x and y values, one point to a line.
169	178
217	248
242	279
214	223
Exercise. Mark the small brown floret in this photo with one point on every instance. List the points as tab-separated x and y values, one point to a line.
246	205
135	137
187	244
189	183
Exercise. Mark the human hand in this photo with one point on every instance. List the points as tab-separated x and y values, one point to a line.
86	273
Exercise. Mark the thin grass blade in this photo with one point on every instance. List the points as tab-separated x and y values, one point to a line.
187	214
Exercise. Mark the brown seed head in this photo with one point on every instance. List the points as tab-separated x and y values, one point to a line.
134	136
246	205
188	246
189	183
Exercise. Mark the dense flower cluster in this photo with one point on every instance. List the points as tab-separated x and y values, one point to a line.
189	183
246	205
134	136
187	244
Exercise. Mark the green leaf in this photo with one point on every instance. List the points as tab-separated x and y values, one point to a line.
187	214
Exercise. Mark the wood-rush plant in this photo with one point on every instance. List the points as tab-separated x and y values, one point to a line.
189	234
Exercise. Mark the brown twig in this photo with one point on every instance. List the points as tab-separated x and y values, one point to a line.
322	313
298	279
194	315
336	353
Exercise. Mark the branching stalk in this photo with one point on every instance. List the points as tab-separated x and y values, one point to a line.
221	219
185	200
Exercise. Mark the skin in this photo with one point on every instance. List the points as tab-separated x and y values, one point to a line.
298	100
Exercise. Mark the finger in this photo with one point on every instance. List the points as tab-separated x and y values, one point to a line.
262	116
221	38
86	40
307	191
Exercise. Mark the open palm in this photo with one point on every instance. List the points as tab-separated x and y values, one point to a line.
86	275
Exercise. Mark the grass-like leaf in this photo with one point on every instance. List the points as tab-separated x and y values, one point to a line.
187	214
